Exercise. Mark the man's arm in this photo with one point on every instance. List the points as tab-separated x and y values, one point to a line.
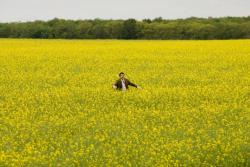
132	84
115	85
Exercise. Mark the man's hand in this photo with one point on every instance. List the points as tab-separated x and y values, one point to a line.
138	87
114	86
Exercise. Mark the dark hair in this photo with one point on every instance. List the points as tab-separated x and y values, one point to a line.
121	73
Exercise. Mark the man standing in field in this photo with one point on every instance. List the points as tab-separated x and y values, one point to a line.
122	83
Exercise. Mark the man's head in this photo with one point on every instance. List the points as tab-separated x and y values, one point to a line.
121	75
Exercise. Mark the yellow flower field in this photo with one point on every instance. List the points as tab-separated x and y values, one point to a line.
58	107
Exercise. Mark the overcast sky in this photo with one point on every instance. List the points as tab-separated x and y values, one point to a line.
29	10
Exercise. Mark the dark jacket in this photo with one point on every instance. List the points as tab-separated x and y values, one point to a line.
118	83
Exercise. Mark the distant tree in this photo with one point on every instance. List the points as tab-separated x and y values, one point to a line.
158	28
83	30
158	19
245	29
146	21
114	29
99	31
4	31
129	30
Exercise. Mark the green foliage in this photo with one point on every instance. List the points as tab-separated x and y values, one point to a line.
129	29
158	28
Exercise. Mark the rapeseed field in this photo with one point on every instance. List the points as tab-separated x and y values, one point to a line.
58	107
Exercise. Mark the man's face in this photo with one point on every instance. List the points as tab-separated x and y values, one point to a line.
122	76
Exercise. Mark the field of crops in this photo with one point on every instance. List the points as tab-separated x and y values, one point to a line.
58	108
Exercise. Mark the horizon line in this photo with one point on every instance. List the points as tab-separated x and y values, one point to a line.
137	19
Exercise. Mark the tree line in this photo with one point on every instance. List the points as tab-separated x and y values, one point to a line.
158	28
